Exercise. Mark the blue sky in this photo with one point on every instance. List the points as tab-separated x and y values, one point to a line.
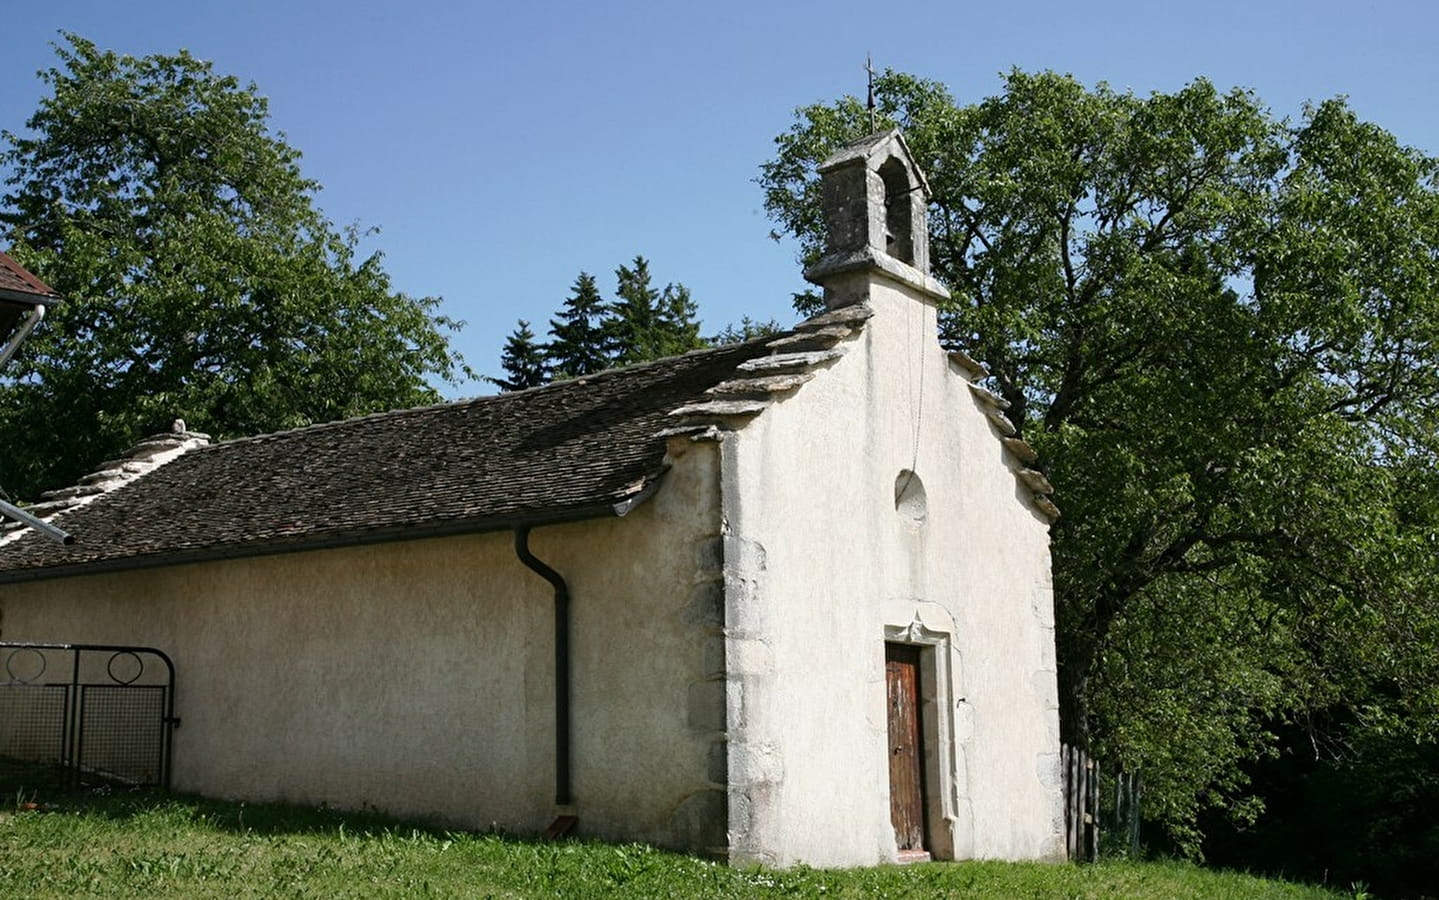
503	148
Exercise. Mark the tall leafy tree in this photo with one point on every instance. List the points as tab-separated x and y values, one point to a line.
200	279
524	360
1219	329
578	343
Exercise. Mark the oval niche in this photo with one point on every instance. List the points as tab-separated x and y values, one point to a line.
909	499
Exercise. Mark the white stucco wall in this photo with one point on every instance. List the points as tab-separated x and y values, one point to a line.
821	568
417	677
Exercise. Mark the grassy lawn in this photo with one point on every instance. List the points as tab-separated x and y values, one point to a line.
131	844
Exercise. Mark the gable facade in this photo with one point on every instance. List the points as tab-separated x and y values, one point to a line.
847	533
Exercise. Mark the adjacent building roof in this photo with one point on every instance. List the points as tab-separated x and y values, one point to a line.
18	284
20	292
574	449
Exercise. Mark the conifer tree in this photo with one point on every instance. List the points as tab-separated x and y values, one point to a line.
588	335
578	344
678	331
645	323
745	330
524	361
634	316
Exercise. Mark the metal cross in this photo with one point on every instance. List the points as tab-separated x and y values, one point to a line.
869	67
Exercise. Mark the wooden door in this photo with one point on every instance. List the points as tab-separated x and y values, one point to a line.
906	749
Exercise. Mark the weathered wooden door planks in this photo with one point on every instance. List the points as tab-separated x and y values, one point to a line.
906	749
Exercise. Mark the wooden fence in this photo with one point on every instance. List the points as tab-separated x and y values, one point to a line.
1095	806
1081	803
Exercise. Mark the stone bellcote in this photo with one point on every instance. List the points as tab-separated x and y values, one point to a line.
875	201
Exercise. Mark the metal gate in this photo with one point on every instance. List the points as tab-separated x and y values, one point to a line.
71	714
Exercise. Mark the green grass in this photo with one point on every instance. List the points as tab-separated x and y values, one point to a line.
140	844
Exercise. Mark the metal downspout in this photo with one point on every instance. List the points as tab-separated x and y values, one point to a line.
14	343
11	511
562	662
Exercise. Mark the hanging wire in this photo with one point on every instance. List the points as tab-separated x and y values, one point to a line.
914	350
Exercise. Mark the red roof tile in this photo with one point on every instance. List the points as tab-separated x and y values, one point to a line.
16	279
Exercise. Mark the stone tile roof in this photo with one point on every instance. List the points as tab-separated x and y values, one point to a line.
568	450
575	449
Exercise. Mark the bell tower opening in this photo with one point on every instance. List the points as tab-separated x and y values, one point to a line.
898	221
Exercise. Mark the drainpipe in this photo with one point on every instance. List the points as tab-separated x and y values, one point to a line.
11	511
14	343
562	662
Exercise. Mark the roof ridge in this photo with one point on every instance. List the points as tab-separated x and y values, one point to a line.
112	475
603	375
993	406
1033	479
763	379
